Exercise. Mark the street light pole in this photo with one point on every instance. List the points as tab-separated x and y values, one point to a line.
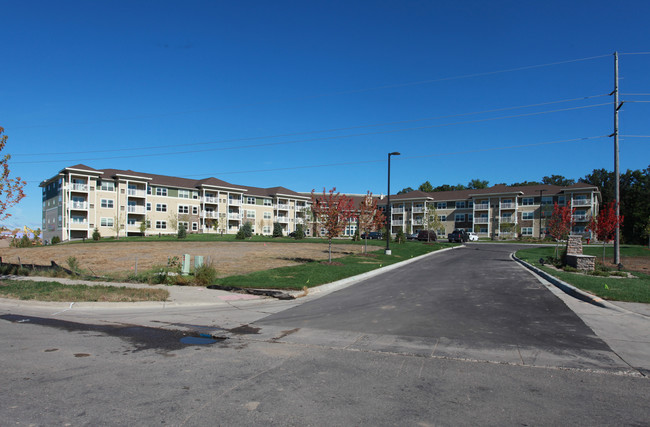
540	213
389	208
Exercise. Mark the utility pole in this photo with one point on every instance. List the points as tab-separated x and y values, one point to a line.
617	177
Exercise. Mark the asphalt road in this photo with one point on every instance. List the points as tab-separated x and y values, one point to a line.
461	338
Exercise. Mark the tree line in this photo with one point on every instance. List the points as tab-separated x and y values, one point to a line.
634	188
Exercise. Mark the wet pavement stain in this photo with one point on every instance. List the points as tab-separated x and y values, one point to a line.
244	330
81	355
141	337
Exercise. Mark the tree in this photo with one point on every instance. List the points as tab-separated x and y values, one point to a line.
117	225
333	211
370	217
221	223
560	224
447	187
182	232
245	231
557	180
604	225
96	234
646	231
477	184
524	184
405	190
172	221
300	232
144	225
277	229
400	237
426	187
11	189
432	220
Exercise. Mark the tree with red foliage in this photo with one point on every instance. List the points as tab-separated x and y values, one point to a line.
560	224
605	224
371	218
11	189
333	212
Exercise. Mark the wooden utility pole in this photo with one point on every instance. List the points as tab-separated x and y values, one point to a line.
617	178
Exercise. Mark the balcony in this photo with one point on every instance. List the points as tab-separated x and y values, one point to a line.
134	192
418	221
212	200
282	219
76	224
580	202
581	218
282	207
418	210
235	216
507	205
397	222
481	220
79	205
210	214
507	219
135	209
234	202
79	187
481	206
398	210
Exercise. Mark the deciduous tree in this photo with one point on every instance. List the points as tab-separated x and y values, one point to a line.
604	225
333	212
11	189
371	218
560	224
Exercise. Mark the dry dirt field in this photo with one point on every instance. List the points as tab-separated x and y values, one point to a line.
230	258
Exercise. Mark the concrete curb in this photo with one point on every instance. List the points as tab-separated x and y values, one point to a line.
348	281
569	289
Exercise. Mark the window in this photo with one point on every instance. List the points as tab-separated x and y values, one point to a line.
441	205
161	207
107	186
184	194
185	224
148	206
250	200
561	200
148	190
470	217
266	229
195	210
161	191
106	203
460	217
250	214
527	201
470	204
195	226
106	222
528	215
268	202
183	209
460	205
482	230
547	200
443	218
526	231
161	225
267	215
131	221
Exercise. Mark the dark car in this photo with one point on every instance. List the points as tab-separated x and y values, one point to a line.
427	236
459	236
373	235
412	236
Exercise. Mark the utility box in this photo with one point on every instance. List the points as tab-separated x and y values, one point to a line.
185	267
198	261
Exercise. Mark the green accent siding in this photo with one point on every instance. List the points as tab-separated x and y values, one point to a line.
259	201
172	192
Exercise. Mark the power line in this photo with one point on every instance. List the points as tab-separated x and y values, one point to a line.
268	144
347	92
315	131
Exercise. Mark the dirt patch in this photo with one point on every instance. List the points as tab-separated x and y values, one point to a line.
230	258
639	263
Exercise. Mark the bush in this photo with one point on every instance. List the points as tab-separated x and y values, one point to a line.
400	237
55	240
182	232
96	235
73	264
205	274
300	232
245	232
356	236
569	269
277	229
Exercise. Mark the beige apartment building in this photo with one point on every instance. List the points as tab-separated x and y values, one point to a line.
79	199
497	212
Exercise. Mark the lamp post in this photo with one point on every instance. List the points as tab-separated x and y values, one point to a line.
540	213
389	208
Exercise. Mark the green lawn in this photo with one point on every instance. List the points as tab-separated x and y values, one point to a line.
319	272
610	288
54	291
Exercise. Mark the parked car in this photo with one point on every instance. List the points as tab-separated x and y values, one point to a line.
412	236
373	235
473	237
422	236
459	236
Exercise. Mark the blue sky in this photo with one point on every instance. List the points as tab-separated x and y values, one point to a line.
315	94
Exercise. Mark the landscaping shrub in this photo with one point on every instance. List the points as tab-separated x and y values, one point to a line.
245	232
300	232
96	234
182	232
73	264
277	229
400	237
205	274
55	240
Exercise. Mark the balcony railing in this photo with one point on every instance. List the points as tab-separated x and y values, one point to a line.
580	202
481	220
418	222
581	218
482	206
507	205
78	205
136	193
79	224
507	219
135	209
397	222
234	216
79	187
282	207
398	210
234	202
418	210
212	200
210	214
282	219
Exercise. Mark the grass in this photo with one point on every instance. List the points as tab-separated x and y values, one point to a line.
54	291
610	288
317	273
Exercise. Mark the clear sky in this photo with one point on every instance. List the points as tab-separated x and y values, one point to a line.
307	94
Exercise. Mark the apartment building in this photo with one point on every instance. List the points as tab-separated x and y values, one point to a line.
79	199
499	211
